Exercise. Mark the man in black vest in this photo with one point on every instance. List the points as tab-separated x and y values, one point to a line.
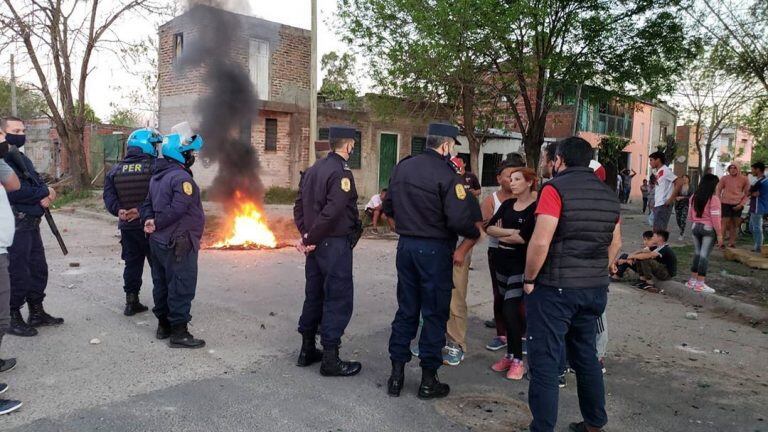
577	237
125	189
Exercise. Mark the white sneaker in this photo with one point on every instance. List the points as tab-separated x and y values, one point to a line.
704	288
691	284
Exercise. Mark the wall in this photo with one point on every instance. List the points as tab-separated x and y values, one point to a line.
638	147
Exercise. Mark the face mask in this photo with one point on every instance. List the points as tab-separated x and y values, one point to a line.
4	147
189	159
16	140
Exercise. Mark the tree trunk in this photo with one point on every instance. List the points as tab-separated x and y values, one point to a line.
533	140
73	137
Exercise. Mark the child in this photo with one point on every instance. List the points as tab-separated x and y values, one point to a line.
623	263
659	263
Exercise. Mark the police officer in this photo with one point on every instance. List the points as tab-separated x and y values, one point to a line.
326	215
431	208
27	265
175	220
125	189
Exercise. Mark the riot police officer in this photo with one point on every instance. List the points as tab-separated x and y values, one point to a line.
175	221
125	189
326	215
431	208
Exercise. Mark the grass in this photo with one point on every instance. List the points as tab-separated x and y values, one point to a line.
280	195
70	197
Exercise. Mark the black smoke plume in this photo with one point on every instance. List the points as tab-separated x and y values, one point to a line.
229	105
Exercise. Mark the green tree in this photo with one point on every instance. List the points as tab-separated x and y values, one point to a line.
29	102
125	117
88	113
432	54
339	81
473	52
611	150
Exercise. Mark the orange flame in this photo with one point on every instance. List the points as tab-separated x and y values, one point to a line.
249	228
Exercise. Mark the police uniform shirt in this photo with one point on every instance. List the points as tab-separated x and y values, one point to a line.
428	199
327	202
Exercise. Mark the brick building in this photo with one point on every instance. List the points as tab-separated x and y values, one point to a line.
733	145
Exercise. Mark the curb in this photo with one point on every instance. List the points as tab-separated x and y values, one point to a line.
714	302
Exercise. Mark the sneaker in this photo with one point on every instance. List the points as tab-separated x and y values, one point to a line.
703	288
9	406
415	350
490	324
6	365
502	365
497	343
562	382
602	364
516	370
3	388
453	355
691	284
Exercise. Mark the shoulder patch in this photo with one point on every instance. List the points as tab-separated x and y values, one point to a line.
346	185
188	189
461	193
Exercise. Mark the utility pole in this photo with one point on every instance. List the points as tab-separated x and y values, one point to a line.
313	87
14	108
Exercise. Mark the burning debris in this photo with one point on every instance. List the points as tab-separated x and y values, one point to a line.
227	112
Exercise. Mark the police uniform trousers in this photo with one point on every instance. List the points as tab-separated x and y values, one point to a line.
564	320
175	282
135	249
424	284
27	266
329	291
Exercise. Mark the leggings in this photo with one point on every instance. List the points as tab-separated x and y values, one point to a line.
681	214
514	320
498	299
704	238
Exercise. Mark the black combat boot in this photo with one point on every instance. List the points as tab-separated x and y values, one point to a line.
397	379
19	327
38	317
333	366
163	329
431	387
181	338
133	305
309	353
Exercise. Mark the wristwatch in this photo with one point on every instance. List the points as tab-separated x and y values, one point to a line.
529	281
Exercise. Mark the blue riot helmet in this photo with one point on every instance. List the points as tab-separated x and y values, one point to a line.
181	149
146	139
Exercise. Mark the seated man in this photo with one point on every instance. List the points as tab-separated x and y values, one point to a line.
623	263
373	210
659	263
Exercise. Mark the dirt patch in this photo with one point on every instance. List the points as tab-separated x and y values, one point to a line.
487	413
730	278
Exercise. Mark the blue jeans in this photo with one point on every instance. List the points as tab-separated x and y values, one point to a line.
756	227
704	239
424	285
564	319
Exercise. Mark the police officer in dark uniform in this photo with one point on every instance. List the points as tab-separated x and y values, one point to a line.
125	189
431	208
326	215
175	221
27	266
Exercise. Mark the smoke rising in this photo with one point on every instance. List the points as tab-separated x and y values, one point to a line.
230	104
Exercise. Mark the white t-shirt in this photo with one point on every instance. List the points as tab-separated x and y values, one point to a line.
374	202
665	183
7	222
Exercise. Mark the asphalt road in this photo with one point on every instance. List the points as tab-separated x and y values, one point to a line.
663	371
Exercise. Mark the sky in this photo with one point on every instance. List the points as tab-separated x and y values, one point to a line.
109	80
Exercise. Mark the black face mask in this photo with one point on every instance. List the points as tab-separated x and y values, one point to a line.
4	147
16	140
189	159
